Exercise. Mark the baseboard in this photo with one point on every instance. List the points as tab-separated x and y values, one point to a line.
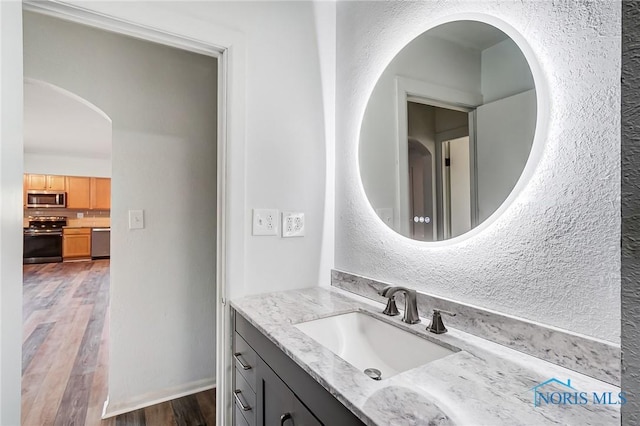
153	398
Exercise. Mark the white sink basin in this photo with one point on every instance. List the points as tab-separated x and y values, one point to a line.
366	342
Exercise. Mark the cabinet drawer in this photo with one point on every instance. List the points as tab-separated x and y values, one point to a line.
245	396
239	418
77	231
245	359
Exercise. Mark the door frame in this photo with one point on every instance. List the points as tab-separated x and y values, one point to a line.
227	46
409	89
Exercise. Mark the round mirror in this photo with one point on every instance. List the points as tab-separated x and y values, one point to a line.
448	130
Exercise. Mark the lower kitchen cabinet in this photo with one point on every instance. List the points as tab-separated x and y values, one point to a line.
76	243
270	389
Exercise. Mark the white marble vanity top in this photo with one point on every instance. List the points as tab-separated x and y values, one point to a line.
482	384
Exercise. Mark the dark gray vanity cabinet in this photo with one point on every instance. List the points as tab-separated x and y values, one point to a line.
272	390
280	406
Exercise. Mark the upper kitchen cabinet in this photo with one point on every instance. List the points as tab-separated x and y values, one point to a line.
45	182
101	193
83	193
78	192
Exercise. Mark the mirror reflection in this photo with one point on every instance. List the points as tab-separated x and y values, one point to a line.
448	130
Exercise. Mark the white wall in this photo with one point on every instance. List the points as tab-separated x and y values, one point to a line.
504	130
10	211
554	255
505	71
66	165
285	152
163	105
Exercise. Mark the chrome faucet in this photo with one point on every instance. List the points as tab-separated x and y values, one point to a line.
410	303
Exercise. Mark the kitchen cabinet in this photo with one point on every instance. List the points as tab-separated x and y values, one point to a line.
76	243
45	182
270	389
78	192
101	193
83	193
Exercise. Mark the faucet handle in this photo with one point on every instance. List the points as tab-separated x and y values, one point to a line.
437	326
391	309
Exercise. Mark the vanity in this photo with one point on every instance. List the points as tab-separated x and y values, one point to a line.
270	388
292	379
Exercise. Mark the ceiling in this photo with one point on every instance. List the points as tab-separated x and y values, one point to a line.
58	122
470	34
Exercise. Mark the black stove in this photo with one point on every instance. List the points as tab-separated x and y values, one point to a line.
43	239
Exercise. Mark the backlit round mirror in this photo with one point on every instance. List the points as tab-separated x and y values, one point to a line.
448	130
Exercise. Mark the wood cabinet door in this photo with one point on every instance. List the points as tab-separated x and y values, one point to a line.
36	182
101	193
76	245
56	183
78	192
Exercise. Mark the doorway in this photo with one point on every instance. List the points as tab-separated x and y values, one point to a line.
164	167
441	169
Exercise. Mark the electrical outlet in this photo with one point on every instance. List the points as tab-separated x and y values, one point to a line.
292	224
265	222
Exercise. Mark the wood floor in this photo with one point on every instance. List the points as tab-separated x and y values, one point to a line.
65	353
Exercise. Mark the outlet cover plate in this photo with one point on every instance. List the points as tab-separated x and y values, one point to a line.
292	224
265	222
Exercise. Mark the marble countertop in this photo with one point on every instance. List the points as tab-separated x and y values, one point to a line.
482	384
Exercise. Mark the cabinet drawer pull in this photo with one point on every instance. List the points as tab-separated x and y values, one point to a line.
238	357
243	406
284	418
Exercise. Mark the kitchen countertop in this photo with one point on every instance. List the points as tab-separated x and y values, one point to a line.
85	222
482	384
85	227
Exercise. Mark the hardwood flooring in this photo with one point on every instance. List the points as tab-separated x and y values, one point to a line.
65	353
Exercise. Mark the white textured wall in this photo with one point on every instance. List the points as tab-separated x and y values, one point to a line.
553	256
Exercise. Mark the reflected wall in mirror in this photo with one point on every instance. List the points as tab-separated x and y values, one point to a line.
448	130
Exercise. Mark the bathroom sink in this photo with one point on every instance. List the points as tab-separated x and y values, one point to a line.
369	343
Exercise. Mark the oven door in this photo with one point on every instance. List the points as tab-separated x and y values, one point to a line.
42	247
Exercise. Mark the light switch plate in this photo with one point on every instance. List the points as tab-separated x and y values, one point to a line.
292	224
265	222
136	219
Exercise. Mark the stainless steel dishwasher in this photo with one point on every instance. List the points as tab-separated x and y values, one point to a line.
100	243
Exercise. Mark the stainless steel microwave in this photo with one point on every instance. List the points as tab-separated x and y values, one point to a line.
46	199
